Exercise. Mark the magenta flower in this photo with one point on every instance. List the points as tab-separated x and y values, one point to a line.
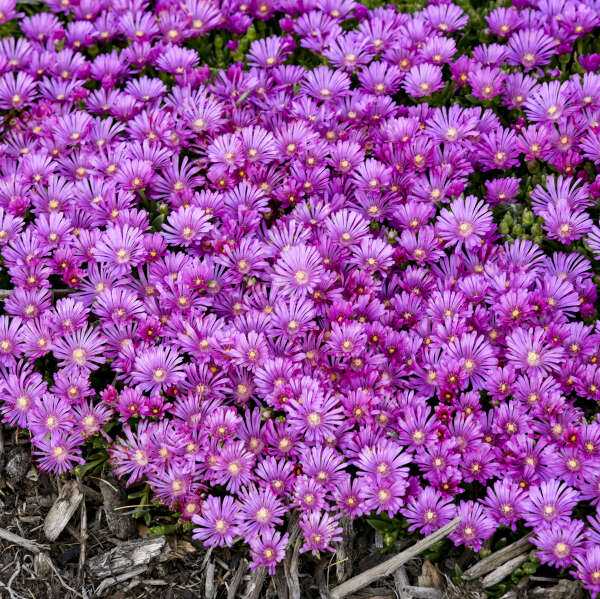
217	523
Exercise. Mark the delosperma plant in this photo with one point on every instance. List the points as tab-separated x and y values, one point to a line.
310	256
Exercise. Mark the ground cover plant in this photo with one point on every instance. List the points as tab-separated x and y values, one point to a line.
322	257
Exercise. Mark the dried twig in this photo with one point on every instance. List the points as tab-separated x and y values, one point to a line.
422	592
503	571
343	565
112	580
255	584
62	582
290	564
209	582
83	536
402	583
237	579
496	559
8	586
386	568
10	537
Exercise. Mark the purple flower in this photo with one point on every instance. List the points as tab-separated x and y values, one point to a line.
217	523
320	530
267	550
560	544
475	526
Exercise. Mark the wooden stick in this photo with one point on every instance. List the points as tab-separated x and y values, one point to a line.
423	592
255	584
386	568
401	581
503	571
21	541
84	536
209	582
496	559
237	579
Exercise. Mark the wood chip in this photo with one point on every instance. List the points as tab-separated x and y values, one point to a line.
127	556
430	576
62	510
119	523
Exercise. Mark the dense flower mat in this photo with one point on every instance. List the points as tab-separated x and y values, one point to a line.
323	257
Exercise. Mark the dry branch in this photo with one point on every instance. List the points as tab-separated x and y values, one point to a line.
496	559
503	571
402	583
389	566
423	592
112	580
255	584
21	541
237	579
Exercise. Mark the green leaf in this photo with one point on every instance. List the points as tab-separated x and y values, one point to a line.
166	529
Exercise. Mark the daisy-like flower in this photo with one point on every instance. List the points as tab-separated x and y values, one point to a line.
528	351
548	103
121	248
267	550
324	84
317	417
347	227
423	80
217	524
319	530
16	90
21	389
347	339
565	224
428	511
530	48
260	512
474	527
560	544
51	415
235	465
58	453
505	503
299	270
11	340
468	223
157	368
187	226
550	503
81	351
588	568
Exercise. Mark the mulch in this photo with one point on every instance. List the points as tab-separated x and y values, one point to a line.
102	551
